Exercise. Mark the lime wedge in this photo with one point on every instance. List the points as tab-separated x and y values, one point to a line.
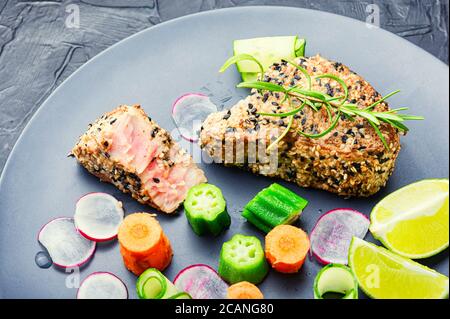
413	221
385	275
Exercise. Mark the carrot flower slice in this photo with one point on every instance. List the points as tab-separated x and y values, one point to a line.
286	248
244	290
143	243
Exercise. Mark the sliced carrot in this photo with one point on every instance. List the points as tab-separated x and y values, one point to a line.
244	290
143	243
286	248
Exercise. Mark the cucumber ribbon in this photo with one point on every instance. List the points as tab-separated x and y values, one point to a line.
336	278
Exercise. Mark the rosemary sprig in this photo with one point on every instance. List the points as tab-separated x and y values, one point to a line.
334	106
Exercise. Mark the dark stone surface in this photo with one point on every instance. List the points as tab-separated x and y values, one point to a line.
38	51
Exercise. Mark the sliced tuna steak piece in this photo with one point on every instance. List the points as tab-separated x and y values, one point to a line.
126	148
351	160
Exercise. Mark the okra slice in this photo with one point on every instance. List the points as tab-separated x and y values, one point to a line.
273	206
205	209
242	259
152	284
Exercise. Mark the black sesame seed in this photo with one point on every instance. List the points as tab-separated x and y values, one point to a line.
105	144
226	116
275	103
344	138
113	121
297	77
265	97
335	134
250	105
156	180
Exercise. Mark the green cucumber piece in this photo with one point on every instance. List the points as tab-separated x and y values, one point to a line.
242	259
181	295
205	209
273	206
336	279
152	284
267	50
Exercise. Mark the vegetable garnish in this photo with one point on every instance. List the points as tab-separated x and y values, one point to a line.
201	282
244	290
335	106
152	284
335	279
286	248
65	245
253	56
143	243
333	232
274	205
205	210
98	216
189	111
242	259
102	285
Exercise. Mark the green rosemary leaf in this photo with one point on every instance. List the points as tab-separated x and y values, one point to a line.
380	135
398	125
293	112
397	110
312	105
338	80
305	73
381	100
262	86
389	116
309	93
407	117
333	123
240	57
288	128
368	116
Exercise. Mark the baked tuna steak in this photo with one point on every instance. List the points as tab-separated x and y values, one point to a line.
128	149
351	160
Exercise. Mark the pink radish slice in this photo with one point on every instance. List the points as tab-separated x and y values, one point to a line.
64	244
333	232
189	111
201	282
102	285
98	216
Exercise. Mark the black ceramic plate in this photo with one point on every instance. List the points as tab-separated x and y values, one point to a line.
156	66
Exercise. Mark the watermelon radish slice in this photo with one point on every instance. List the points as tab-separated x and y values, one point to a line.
98	216
66	247
333	232
201	282
189	112
102	285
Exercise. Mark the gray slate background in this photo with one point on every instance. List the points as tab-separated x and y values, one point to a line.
38	51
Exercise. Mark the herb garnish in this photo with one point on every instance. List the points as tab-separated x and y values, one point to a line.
335	106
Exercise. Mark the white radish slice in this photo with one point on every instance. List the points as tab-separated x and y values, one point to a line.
333	232
189	112
201	282
66	247
102	285
98	216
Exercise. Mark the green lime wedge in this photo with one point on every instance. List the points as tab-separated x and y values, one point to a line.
414	220
383	274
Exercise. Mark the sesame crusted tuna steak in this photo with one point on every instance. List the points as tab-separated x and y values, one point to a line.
128	149
350	160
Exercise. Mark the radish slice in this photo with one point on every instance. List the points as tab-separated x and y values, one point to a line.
64	244
333	232
201	282
189	111
102	285
98	216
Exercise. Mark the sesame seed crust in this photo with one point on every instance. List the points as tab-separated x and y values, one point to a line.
350	161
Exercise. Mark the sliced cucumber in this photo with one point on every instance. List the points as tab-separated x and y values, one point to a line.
152	284
336	279
266	50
